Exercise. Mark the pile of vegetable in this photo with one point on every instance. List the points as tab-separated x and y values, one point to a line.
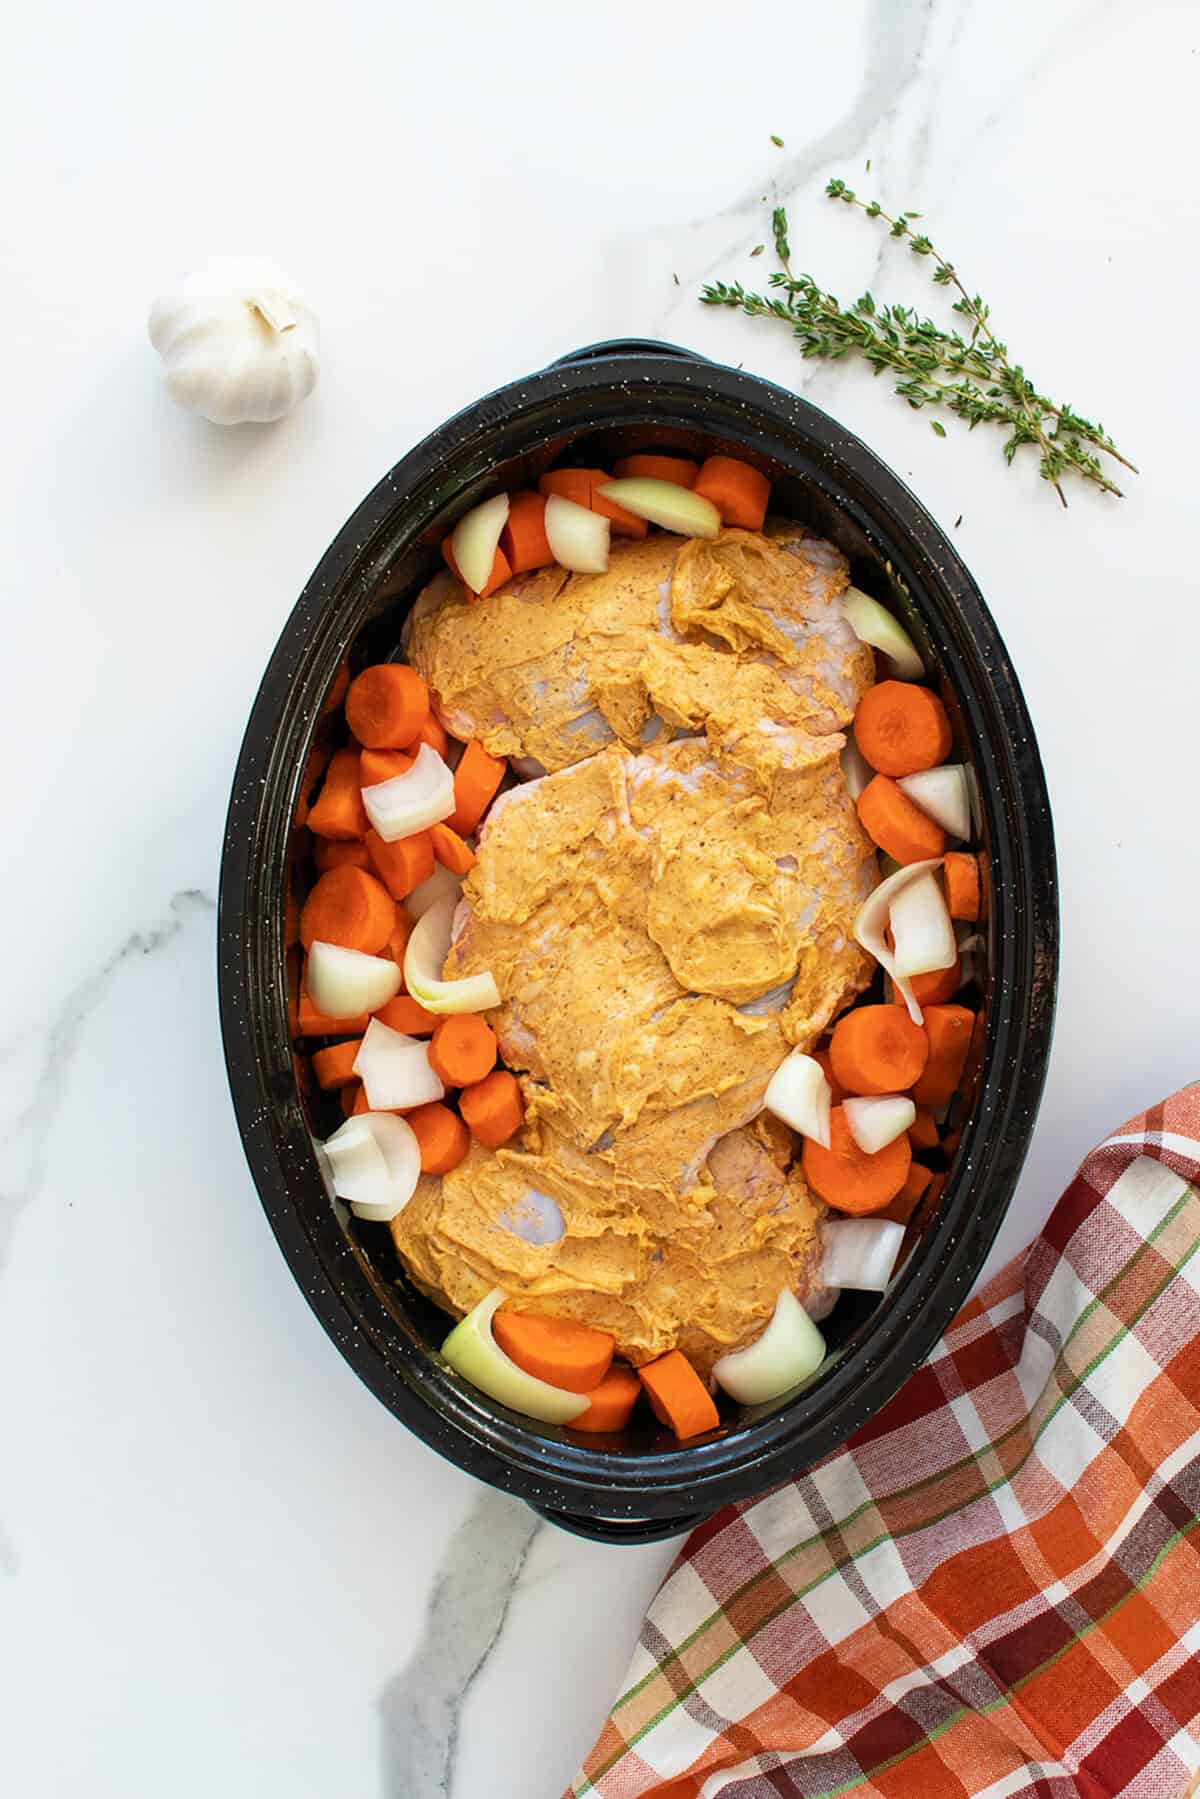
392	817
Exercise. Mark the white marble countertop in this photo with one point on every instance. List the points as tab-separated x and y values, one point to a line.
225	1568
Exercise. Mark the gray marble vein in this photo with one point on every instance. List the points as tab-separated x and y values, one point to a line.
421	1708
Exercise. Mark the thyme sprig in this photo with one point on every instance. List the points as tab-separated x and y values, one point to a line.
971	376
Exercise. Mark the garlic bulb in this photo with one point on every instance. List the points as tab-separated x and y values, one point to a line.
238	344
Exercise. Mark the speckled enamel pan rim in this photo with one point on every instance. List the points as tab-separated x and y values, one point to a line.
637	1496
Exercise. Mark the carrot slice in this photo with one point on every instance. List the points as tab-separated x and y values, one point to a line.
451	851
739	492
402	865
909	1196
361	1102
397	943
443	1137
291	918
948	1029
499	575
476	780
848	1179
557	1350
659	468
311	1023
338	809
523	538
350	852
337	688
493	1108
836	1089
877	1049
901	728
900	829
463	1050
624	522
433	732
387	705
349	1096
572	483
315	764
350	907
961	873
679	1397
382	765
408	1016
334	1067
923	1131
612	1401
933	989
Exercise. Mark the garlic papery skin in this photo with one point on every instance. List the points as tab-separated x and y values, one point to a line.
239	345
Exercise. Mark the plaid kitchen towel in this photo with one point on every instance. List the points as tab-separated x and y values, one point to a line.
994	1588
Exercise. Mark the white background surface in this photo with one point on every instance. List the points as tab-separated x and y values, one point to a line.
225	1568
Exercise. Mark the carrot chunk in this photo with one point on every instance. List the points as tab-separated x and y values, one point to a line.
432	732
572	483
499	575
900	829
387	705
849	1179
910	1195
397	943
932	989
311	1023
350	852
658	468
451	851
493	1108
557	1350
442	1136
375	766
523	538
679	1397
836	1090
901	728
402	865
334	1067
338	809
349	907
463	1050
612	1401
349	1097
476	780
624	522
923	1131
948	1029
739	492
337	689
408	1016
961	873
877	1049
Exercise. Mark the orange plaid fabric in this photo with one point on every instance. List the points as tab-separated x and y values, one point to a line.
994	1588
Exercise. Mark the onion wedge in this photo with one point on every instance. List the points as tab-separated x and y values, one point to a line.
343	982
473	1352
411	802
943	794
578	538
789	1350
440	883
860	1253
475	541
872	922
665	503
855	767
798	1093
922	929
878	1120
425	958
375	1164
394	1070
874	624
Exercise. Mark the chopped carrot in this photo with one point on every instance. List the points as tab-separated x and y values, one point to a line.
432	732
443	1137
962	875
311	1023
983	883
334	1067
932	989
849	1179
923	1131
499	575
611	1402
493	1108
836	1089
349	907
572	483
624	522
557	1350
408	1016
292	965
338	810
350	1095
329	853
463	1050
877	1049
387	705
476	779
375	766
291	917
402	865
451	851
739	492
948	1029
315	764
361	1102
909	1196
900	829
678	1396
950	1142
658	468
523	538
901	728
397	943
337	688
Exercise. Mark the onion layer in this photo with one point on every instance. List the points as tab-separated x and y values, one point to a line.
860	1253
343	982
475	540
425	957
874	624
440	883
943	794
798	1093
872	922
375	1163
411	802
395	1070
788	1352
578	538
473	1352
855	767
922	929
665	503
878	1120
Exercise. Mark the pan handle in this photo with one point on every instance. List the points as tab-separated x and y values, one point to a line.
628	346
628	1531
